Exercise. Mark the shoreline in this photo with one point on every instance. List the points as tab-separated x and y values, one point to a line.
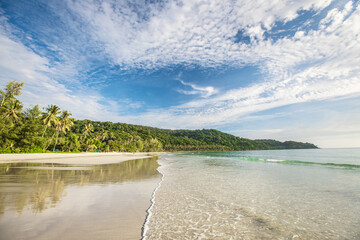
145	227
72	158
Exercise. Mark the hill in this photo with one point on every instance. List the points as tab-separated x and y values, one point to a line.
34	130
128	137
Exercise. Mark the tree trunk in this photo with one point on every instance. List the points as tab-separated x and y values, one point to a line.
2	101
50	141
44	131
57	136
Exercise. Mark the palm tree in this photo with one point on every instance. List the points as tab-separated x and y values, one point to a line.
50	116
90	144
104	135
63	124
72	142
12	110
111	136
12	89
87	130
56	123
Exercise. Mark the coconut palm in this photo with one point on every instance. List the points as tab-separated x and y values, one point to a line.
90	144
104	135
87	130
72	142
12	89
12	110
56	124
64	124
111	136
50	117
66	121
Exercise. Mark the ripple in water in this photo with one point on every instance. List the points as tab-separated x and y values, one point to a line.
204	197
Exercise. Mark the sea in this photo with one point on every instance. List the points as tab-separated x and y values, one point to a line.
274	194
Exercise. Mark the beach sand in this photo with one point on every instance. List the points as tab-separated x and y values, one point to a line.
107	202
72	158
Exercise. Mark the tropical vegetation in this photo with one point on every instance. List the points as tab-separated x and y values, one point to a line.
51	129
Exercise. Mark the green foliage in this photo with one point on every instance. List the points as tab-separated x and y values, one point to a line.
35	131
12	90
127	137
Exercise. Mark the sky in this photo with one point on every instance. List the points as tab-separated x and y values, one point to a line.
284	70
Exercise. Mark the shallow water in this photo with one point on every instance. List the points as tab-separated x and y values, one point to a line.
285	194
57	201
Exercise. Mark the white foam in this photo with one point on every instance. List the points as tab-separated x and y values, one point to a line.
274	160
152	201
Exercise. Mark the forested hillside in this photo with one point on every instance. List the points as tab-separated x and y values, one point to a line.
34	130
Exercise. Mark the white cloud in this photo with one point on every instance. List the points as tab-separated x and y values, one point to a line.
201	32
193	32
17	62
204	92
321	64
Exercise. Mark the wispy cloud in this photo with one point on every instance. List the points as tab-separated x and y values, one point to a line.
20	63
204	92
320	64
312	64
199	32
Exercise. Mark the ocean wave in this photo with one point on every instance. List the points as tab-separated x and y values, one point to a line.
294	162
328	164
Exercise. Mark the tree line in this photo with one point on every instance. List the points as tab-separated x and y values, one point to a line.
52	129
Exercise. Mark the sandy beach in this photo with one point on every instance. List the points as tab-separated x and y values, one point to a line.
72	158
106	197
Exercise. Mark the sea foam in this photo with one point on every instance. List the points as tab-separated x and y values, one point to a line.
145	227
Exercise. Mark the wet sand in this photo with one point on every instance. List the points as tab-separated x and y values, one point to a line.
105	199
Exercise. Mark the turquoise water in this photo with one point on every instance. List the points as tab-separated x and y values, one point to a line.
341	158
278	194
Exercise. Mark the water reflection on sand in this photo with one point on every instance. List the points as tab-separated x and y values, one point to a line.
41	201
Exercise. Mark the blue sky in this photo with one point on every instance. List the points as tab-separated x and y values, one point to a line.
286	70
